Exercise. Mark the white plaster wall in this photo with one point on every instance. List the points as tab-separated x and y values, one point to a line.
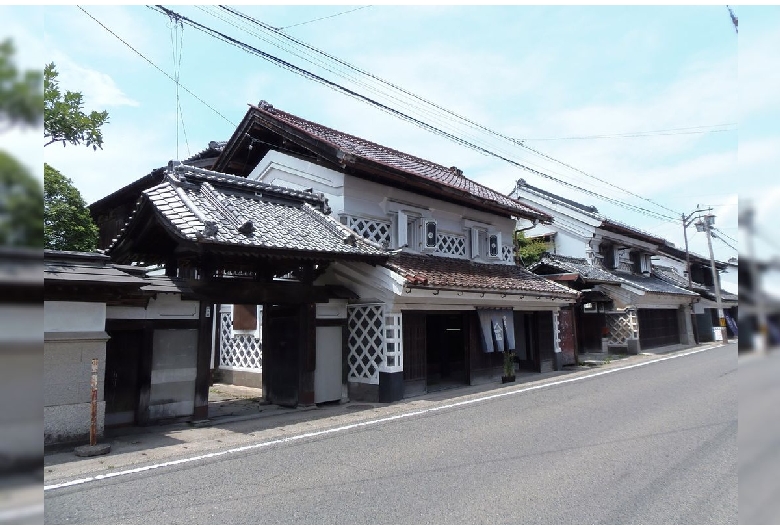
288	171
21	419
21	323
333	309
74	316
174	368
355	196
63	423
67	391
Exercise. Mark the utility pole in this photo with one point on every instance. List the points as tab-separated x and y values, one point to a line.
746	220
687	220
705	226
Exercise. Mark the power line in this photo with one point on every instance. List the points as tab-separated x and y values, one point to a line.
717	237
514	142
310	75
702	129
724	234
323	18
156	67
600	180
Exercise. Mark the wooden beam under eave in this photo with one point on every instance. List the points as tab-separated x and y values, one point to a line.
232	291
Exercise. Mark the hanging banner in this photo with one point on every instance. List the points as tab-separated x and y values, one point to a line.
497	328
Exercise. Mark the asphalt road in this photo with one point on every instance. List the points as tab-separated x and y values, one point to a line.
654	444
759	439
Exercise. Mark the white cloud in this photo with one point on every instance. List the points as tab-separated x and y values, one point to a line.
128	154
99	89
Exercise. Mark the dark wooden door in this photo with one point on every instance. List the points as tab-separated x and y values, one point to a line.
281	344
545	349
658	327
567	335
414	340
591	331
120	387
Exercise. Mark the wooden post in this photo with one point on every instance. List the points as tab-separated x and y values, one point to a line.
94	385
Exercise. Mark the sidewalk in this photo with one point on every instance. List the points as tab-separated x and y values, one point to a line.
238	417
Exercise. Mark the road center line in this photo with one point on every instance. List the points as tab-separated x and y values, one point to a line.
360	424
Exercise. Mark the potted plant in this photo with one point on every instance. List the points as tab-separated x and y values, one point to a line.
509	367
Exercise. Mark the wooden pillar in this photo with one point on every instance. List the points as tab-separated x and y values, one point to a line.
145	374
308	354
203	362
267	357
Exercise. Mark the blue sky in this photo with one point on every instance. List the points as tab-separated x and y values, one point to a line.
539	74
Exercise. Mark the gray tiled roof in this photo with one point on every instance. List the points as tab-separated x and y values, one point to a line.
213	208
590	211
651	284
596	274
85	267
670	275
588	272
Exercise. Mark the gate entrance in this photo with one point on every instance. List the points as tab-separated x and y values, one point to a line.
445	350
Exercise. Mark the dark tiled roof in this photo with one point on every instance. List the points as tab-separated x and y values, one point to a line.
592	212
209	154
651	284
670	275
207	207
20	266
588	272
435	271
354	146
596	274
85	268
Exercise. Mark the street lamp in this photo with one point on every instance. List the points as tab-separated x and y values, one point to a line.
704	224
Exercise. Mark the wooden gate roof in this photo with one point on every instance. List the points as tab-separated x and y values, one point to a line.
206	212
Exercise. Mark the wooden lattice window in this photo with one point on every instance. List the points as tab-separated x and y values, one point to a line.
394	358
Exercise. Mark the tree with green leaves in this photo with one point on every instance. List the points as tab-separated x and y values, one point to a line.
21	100
21	205
64	120
529	250
21	197
67	224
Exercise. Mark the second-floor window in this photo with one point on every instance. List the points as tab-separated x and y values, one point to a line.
640	262
485	244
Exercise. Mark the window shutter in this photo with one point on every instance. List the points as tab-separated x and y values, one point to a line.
429	233
494	245
400	227
474	243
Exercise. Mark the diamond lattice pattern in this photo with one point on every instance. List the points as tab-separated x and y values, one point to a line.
622	326
239	351
508	254
366	325
372	229
451	244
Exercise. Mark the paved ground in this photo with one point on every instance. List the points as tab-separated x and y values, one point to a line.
759	438
238	415
652	444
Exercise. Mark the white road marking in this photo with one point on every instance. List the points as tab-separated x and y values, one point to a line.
361	424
